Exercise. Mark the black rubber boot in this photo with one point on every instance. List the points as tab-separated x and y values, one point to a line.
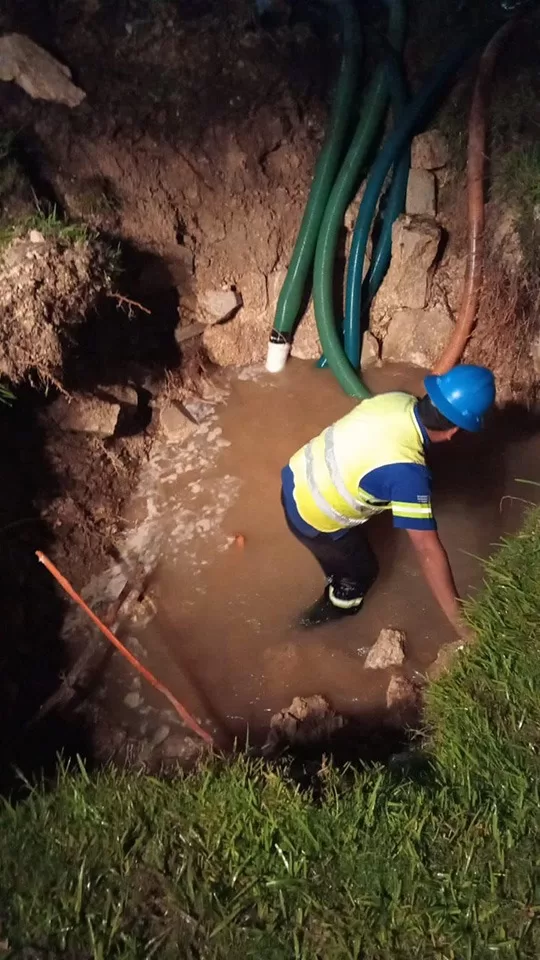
324	611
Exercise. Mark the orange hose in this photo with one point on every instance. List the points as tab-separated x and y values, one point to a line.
181	711
476	155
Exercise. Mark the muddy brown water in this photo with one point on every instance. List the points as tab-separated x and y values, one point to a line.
224	636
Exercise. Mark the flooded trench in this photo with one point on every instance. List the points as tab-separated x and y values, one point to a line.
224	635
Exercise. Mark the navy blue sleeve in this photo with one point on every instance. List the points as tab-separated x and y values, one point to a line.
407	488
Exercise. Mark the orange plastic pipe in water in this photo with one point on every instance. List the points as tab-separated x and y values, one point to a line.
181	711
476	156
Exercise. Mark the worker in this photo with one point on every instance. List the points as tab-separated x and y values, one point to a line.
374	459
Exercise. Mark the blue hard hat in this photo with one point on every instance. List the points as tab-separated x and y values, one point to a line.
463	395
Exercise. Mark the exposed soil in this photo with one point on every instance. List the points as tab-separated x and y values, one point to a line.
194	148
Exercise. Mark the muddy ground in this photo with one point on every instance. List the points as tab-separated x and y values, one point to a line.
203	192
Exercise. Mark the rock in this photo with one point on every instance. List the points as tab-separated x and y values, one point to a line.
307	720
84	415
160	735
403	700
421	194
181	748
417	336
243	340
430	151
39	74
407	285
449	279
218	305
181	334
370	349
133	700
175	425
35	236
121	393
388	651
306	344
445	658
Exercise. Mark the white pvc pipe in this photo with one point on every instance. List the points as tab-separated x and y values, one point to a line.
277	355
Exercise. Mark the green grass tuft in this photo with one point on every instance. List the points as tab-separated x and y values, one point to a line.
52	225
233	860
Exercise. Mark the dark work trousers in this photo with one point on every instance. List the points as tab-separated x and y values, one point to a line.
349	564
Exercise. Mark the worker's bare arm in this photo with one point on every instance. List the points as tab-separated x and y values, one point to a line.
438	573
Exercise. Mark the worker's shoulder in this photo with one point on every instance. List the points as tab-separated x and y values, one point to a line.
388	403
392	396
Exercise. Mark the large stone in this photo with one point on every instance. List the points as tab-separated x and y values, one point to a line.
417	336
39	74
85	415
218	305
306	720
243	339
407	285
174	424
430	151
387	651
421	194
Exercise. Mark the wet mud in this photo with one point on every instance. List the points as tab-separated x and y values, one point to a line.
229	581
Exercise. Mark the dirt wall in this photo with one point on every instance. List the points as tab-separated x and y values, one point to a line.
195	145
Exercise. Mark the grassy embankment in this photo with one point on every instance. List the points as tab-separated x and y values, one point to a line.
234	861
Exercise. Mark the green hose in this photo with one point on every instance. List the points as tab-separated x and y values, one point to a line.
414	114
342	194
290	298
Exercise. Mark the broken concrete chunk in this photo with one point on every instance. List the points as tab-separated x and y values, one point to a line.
218	305
430	151
39	74
421	194
84	415
388	651
417	336
175	425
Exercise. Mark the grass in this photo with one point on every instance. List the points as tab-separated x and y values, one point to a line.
6	396
234	860
49	223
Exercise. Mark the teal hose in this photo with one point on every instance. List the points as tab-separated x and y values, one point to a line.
411	119
290	298
394	207
388	76
395	204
